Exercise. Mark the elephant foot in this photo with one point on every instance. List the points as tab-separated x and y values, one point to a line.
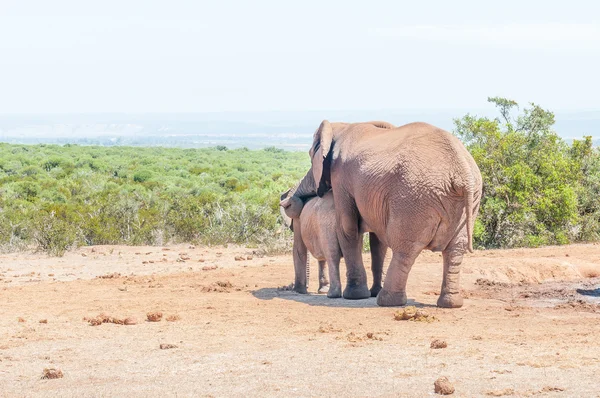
357	292
300	289
450	300
334	292
391	299
375	289
323	288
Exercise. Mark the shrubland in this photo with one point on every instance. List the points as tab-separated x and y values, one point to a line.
57	197
538	190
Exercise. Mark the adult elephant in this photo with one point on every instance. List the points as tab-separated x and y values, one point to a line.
322	222
415	186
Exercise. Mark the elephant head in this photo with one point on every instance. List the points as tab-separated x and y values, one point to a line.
290	207
318	180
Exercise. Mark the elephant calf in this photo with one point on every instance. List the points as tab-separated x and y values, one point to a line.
314	226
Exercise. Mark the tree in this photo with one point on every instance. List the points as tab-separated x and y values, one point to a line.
530	179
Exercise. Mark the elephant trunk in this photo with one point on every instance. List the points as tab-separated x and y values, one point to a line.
286	220
306	188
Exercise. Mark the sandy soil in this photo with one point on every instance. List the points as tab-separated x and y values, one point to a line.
530	327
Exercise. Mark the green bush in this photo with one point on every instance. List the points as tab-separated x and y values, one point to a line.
86	195
142	176
54	231
537	189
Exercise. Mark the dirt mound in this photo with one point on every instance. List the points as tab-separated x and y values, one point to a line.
415	314
516	266
114	275
328	328
52	373
154	316
103	318
437	344
579	305
500	393
443	386
217	287
486	283
536	294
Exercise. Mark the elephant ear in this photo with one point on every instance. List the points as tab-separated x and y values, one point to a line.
319	153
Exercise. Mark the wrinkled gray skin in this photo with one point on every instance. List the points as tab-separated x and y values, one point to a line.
415	186
314	226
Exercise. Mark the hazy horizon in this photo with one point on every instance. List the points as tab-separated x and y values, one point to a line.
285	129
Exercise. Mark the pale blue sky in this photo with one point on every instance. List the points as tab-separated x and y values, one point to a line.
210	56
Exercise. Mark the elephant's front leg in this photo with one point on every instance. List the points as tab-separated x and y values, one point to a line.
301	265
378	250
351	244
323	281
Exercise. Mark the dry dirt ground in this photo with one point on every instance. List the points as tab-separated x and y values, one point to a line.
530	326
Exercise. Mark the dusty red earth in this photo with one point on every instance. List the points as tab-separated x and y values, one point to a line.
530	326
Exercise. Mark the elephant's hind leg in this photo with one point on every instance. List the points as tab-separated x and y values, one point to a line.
453	255
394	287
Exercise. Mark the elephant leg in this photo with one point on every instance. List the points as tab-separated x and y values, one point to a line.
300	263
356	276
394	287
378	251
323	282
350	242
335	284
450	296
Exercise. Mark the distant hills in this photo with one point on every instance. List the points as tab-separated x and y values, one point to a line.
287	130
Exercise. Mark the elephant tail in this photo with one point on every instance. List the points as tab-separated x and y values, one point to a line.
307	269
469	210
467	182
